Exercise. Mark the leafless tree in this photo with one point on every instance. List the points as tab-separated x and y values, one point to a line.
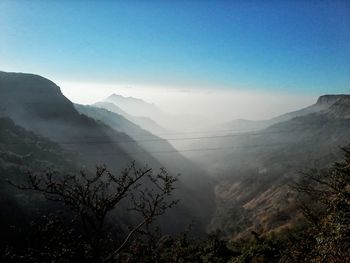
91	198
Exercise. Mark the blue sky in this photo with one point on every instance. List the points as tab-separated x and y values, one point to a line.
289	46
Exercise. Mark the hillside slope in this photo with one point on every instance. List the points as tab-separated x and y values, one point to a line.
197	182
38	105
22	151
322	103
256	172
144	122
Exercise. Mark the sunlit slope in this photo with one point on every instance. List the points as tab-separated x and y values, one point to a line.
256	172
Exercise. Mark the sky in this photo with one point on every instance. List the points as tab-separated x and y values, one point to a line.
262	48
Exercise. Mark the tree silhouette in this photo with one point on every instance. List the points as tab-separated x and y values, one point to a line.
92	198
324	198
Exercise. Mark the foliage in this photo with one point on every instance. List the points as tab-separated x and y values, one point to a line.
91	198
259	249
322	235
325	203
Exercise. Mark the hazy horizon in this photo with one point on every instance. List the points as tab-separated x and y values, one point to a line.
215	61
226	104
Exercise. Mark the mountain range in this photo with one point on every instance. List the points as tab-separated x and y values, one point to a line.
145	113
253	192
36	105
254	168
143	121
233	182
245	125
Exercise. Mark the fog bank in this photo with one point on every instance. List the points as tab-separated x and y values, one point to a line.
207	105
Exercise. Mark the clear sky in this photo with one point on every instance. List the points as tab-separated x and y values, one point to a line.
292	46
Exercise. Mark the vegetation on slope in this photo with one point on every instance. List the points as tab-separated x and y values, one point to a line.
322	234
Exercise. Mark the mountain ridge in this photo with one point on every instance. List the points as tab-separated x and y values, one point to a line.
330	99
38	105
322	103
139	108
144	122
115	96
256	173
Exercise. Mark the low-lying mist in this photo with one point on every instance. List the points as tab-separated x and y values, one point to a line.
193	109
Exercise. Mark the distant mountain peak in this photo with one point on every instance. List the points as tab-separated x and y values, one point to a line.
330	99
340	108
118	97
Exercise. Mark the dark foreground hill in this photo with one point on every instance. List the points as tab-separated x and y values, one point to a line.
22	151
38	105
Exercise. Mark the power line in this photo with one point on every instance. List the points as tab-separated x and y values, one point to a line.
157	139
196	149
191	132
150	134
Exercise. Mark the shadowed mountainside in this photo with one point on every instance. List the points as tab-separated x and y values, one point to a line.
195	179
38	105
22	151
